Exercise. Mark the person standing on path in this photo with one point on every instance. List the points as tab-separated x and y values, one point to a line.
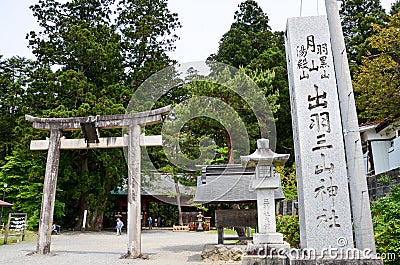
119	226
150	220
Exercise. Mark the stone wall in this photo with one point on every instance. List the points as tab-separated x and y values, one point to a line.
379	185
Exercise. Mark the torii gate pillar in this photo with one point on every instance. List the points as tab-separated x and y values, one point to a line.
49	193
134	180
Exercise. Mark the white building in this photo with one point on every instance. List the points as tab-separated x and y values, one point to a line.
381	147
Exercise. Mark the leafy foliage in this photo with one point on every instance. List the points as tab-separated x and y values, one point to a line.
377	84
246	38
288	179
358	16
386	219
147	29
87	59
289	226
14	78
229	109
250	43
395	8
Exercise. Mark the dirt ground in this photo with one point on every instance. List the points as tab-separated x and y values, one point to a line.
164	247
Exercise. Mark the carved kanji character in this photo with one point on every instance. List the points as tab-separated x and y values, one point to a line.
318	100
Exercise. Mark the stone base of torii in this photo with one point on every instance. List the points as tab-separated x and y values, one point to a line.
91	127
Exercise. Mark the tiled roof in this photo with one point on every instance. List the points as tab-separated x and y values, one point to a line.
227	183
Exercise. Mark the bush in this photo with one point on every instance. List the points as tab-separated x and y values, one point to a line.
288	181
288	225
386	219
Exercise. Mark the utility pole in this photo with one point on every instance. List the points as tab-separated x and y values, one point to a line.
360	206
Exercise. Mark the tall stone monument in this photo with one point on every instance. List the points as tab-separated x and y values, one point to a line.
326	227
324	201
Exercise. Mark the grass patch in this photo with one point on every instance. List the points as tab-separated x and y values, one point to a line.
30	236
228	231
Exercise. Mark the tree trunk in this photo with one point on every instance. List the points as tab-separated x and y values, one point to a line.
99	221
83	205
230	148
178	201
98	215
82	208
93	218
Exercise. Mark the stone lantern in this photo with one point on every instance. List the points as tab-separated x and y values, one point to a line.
200	222
265	182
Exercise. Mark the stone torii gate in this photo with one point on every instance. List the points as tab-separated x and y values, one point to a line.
90	127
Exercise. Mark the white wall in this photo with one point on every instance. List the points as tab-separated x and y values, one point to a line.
381	156
386	153
394	154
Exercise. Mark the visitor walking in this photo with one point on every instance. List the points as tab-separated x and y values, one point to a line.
119	226
150	220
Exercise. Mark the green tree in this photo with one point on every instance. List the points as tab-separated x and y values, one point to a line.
288	181
14	79
85	66
247	38
79	40
358	16
229	109
289	226
274	59
147	33
21	170
251	43
377	84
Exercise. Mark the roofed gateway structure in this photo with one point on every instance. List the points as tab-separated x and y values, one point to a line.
91	127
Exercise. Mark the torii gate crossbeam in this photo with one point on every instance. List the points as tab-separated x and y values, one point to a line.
134	140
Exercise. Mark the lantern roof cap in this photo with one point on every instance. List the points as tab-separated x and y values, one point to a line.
264	155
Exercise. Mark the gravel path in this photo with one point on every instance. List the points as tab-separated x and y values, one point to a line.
163	247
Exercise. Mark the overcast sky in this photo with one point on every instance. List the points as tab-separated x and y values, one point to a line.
204	22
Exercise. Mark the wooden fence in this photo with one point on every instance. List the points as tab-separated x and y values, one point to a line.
287	207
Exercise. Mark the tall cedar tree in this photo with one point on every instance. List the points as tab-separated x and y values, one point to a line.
358	16
251	43
14	77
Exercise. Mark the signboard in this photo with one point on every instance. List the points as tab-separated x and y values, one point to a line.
16	226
